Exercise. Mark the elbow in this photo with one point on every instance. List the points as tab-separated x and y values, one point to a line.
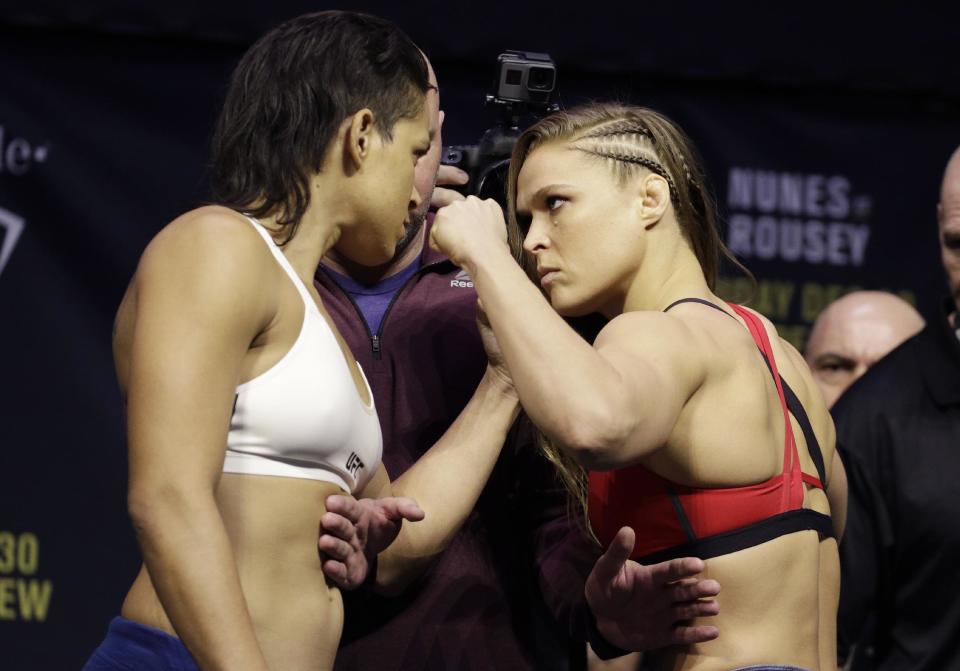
142	508
394	577
392	585
153	506
595	441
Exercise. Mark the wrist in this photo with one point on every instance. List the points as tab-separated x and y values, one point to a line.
597	637
500	383
480	258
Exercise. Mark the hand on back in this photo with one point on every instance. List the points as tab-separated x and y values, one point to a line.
641	607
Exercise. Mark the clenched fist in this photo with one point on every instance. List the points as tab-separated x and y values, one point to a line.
468	229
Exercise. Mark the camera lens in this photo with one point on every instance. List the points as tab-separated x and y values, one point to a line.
452	156
540	79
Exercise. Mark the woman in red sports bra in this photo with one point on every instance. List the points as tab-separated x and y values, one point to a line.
701	430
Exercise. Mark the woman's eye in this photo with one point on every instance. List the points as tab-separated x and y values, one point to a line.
554	202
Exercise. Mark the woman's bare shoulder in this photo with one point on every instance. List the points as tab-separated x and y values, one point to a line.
645	326
207	275
210	246
210	259
211	230
672	344
695	333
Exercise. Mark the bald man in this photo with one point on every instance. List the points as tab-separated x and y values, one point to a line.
948	216
853	333
898	429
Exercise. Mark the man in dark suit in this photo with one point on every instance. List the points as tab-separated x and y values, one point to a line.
898	429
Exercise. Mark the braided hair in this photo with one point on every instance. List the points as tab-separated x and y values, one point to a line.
628	140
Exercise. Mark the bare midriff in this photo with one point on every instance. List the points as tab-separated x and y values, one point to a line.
778	606
273	525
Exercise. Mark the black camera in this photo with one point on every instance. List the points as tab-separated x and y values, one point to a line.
526	83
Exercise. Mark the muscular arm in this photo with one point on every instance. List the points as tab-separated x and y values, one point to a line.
608	404
198	306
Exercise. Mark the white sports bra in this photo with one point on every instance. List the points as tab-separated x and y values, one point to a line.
303	417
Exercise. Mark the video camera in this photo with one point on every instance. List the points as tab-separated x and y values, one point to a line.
526	83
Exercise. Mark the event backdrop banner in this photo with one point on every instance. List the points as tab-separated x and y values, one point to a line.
822	198
104	139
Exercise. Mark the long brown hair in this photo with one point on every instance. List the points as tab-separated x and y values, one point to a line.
628	139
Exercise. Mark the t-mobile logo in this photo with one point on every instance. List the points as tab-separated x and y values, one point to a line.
12	226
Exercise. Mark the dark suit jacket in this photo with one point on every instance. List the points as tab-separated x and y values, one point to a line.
898	432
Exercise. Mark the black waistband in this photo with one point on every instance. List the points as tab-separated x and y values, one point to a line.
746	537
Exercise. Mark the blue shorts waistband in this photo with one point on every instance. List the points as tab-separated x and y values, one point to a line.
139	647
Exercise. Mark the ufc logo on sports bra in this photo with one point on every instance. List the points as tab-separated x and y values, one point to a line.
354	464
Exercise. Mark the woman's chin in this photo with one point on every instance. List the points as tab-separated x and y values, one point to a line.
568	308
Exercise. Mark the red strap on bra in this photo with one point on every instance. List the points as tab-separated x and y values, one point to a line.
791	458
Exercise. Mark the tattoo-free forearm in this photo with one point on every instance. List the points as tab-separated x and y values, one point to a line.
567	388
448	480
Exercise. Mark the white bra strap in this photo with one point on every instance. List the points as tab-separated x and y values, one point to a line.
283	261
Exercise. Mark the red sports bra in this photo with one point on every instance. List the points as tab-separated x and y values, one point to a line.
672	520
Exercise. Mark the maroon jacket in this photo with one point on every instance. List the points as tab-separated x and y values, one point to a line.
507	592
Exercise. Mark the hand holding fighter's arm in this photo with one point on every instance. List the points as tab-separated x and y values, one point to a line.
199	303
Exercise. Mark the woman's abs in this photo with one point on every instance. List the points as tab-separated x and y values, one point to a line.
273	524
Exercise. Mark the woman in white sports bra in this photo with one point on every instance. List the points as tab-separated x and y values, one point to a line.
245	408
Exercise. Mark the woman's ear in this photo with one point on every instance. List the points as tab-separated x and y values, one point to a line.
653	196
358	138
